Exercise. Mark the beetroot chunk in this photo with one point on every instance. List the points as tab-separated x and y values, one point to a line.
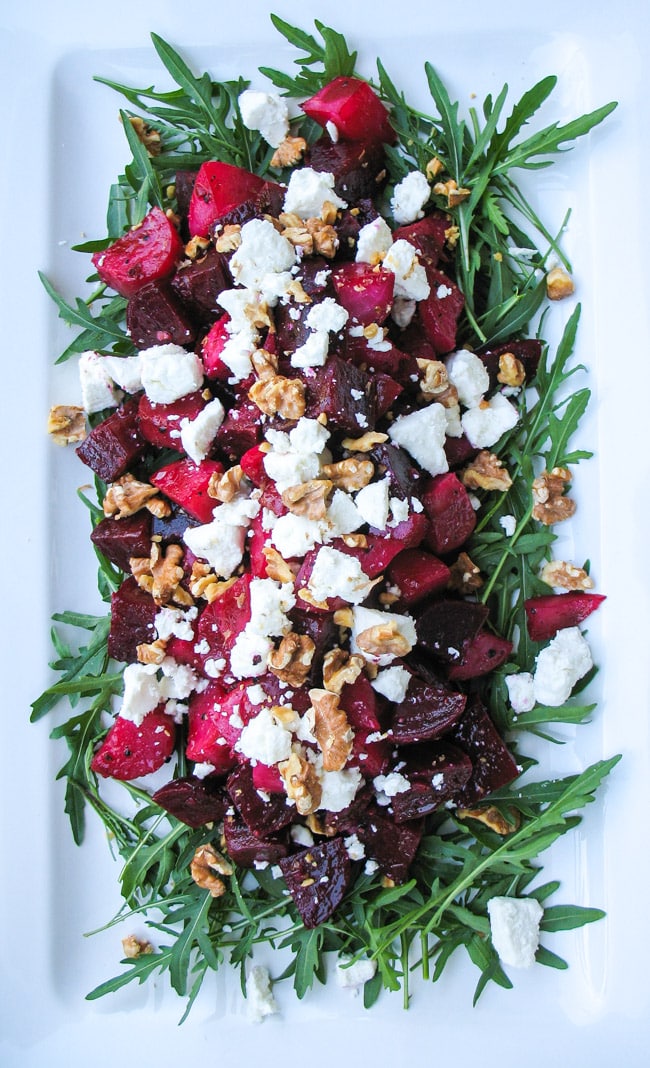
160	423
447	626
261	817
186	483
198	284
365	292
393	846
346	394
219	189
120	539
359	168
133	612
317	879
354	108
481	655
418	574
493	764
246	848
449	509
440	311
427	711
129	751
193	801
147	252
436	774
114	444
155	317
551	612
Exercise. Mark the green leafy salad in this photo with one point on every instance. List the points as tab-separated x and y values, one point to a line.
330	450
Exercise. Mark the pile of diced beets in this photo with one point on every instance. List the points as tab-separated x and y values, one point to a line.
440	736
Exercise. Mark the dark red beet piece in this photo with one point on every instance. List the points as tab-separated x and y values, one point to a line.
211	735
114	444
446	626
147	252
318	878
241	429
246	849
551	612
395	464
393	846
449	509
193	801
198	284
186	483
481	655
436	774
129	751
359	168
219	189
428	711
155	317
120	539
381	550
417	574
365	292
261	817
354	108
427	235
346	394
493	764
527	350
133	612
440	311
160	423
359	702
222	620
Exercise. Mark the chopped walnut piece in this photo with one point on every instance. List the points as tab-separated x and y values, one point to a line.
339	668
511	370
344	617
226	486
265	364
328	212
152	652
464	575
562	575
276	567
229	239
306	595
454	193
291	661
492	818
559	284
549	503
452	235
147	135
161	575
355	541
296	291
365	443
486	471
317	825
324	237
66	424
309	498
279	396
301	783
196	247
434	167
127	496
385	638
289	152
349	474
300	237
134	947
331	729
434	377
206	584
205	868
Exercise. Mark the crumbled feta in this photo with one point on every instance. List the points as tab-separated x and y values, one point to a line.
559	666
355	849
202	770
198	434
374	241
169	373
373	503
294	535
485	425
301	835
314	350
468	374
141	692
98	389
410	276
409	197
125	370
262	251
270	601
221	542
267	113
307	192
521	693
175	622
259	996
339	788
249	654
403	311
343	517
335	574
327	315
391	784
265	739
422	434
509	524
392	683
352	976
514	928
294	457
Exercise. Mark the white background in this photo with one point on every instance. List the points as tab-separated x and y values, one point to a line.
60	147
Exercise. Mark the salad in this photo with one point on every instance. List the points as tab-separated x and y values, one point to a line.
330	449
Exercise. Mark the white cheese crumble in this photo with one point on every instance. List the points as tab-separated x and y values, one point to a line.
335	574
267	113
409	197
198	434
391	784
392	683
221	542
509	524
514	928
262	251
125	370
374	241
327	315
169	373
141	692
307	192
352	976
422	434
485	425
468	374
373	503
314	350
265	739
521	692
559	666
259	996
410	276
175	622
98	389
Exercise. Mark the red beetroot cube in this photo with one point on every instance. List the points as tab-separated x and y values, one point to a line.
436	773
262	817
120	539
440	311
154	316
428	711
114	444
366	292
449	509
354	108
359	701
481	655
241	429
219	189
246	848
359	168
427	235
447	626
186	483
211	735
266	777
222	620
493	764
417	574
393	846
551	612
144	254
193	801
133	613
198	284
211	348
346	394
129	751
160	423
317	879
381	550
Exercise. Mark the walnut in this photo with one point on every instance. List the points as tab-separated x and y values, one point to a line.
277	568
289	152
279	396
265	364
464	575
454	193
549	503
511	370
339	668
318	825
434	379
161	575
344	617
452	235
301	783
559	284
349	474
560	574
331	729
309	498
492	818
291	661
127	496
206	584
205	868
300	237
487	472
147	135
382	639
328	212
152	652
196	247
226	486
134	947
355	541
229	239
296	291
324	237
365	443
434	167
66	424
307	596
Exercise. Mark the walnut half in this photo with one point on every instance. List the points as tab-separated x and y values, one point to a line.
550	505
331	729
205	868
291	661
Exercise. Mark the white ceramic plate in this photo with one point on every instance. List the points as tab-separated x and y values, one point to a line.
61	146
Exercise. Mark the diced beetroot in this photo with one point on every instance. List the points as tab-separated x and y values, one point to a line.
551	612
219	189
437	773
193	801
527	350
396	465
359	168
245	848
212	346
252	464
147	252
160	423
493	764
393	846
317	878
171	528
267	778
291	330
449	509
388	360
222	620
186	483
440	311
481	655
366	292
446	626
359	701
183	185
120	539
260	816
211	735
346	394
322	630
133	612
381	550
255	543
459	451
241	429
129	751
354	108
114	444
428	711
427	235
198	284
417	574
155	317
